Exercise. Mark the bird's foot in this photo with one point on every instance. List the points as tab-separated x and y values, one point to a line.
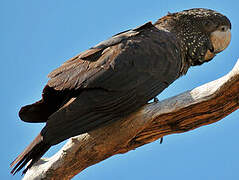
156	99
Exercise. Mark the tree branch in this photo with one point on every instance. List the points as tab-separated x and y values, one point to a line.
201	106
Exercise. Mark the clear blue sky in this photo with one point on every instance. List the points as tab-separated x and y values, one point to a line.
38	36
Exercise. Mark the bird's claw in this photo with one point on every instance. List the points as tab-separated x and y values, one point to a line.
156	99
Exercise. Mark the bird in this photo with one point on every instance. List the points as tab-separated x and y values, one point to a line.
118	76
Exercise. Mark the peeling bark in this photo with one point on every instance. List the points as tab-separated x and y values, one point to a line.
201	106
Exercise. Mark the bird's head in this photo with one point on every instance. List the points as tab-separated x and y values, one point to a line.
202	33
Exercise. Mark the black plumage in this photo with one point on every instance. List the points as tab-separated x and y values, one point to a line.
116	77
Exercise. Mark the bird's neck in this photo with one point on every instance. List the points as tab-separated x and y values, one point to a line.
194	43
167	24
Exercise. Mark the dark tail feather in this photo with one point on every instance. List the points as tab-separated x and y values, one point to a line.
31	154
51	101
35	113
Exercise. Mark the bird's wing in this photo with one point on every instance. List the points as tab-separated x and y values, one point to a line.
112	80
79	71
74	75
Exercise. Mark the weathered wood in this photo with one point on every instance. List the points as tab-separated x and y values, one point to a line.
201	106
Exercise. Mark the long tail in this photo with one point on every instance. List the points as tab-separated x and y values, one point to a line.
31	154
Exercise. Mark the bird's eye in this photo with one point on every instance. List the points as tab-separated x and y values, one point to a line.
223	28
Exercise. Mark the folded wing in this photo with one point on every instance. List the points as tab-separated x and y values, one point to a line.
112	80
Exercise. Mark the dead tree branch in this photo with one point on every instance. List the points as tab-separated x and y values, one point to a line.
201	106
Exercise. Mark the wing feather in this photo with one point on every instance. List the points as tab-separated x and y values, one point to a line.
123	78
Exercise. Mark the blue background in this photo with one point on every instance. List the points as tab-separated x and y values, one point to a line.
38	36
